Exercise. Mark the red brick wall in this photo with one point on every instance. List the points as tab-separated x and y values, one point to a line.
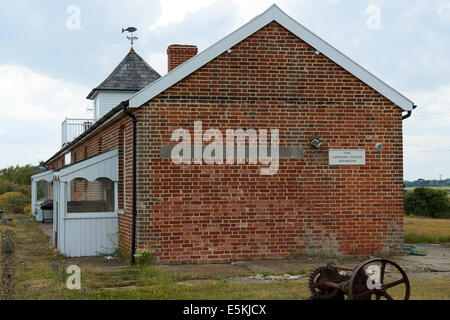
217	213
56	163
178	54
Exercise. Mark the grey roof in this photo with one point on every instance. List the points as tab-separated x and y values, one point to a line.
132	74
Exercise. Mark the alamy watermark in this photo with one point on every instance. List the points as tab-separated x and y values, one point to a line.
218	151
74	279
373	21
374	279
73	21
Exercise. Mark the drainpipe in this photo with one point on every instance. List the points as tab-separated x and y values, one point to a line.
408	114
125	105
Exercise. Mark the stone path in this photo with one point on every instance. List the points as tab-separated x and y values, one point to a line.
47	229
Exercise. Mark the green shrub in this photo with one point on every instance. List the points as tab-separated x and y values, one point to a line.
6	186
20	175
144	256
13	202
427	202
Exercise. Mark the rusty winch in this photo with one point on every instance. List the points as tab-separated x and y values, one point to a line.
371	279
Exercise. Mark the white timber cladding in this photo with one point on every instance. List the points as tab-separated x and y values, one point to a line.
86	234
105	100
274	13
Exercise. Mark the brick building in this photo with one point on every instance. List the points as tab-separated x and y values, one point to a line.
339	181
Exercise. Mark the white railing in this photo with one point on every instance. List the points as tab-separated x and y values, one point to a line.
72	128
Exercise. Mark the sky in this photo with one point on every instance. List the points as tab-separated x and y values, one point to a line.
52	53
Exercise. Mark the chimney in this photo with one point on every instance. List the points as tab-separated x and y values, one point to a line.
178	54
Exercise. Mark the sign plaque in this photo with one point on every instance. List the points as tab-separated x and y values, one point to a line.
346	157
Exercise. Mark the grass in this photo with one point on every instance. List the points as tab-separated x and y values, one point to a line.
35	278
424	289
426	230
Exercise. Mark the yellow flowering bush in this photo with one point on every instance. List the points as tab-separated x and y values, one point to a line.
27	210
13	202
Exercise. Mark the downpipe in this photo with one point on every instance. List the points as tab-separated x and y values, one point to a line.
125	105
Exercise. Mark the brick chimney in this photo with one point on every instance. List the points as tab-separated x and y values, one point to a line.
178	54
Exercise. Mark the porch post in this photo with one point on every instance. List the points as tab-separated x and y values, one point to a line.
33	196
61	215
116	196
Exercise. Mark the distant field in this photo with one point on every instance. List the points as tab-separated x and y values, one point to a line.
426	230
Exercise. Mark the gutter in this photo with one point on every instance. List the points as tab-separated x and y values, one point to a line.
408	114
125	105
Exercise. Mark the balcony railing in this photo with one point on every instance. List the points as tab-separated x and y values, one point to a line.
72	128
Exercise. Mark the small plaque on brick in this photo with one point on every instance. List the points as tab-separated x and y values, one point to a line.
347	157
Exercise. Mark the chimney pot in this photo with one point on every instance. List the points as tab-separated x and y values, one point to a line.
178	54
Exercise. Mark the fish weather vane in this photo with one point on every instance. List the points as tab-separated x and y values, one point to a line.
131	30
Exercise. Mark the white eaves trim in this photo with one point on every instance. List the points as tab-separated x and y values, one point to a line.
104	165
45	176
274	13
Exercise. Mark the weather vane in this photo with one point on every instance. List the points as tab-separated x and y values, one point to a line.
132	38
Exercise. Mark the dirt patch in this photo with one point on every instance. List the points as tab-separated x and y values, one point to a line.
197	282
120	288
206	269
260	278
101	263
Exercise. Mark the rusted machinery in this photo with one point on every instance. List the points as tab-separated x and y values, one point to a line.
370	280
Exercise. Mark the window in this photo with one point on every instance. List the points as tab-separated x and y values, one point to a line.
44	190
90	196
67	158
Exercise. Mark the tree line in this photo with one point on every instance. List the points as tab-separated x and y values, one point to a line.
422	183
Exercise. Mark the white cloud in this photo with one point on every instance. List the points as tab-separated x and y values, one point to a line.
158	61
175	11
32	107
36	20
410	15
27	95
247	9
433	102
444	9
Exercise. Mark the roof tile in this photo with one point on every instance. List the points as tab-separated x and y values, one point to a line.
132	73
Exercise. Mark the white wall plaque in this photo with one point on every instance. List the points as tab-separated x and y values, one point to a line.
347	157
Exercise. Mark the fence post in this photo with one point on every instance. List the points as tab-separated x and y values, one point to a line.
7	266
